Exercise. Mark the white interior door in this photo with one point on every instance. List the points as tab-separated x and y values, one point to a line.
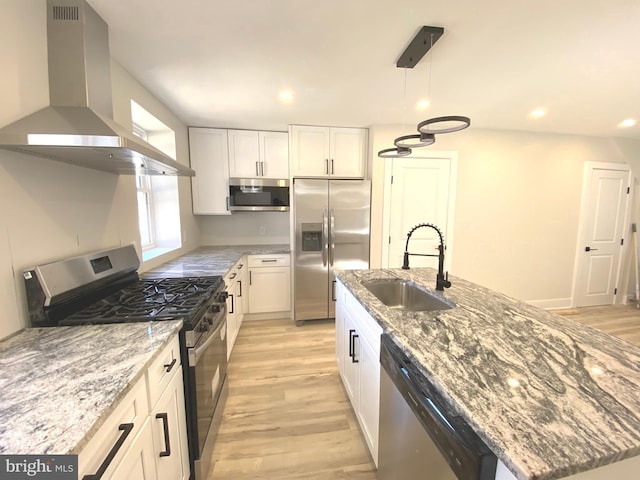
421	191
603	217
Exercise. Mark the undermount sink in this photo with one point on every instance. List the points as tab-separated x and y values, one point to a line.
405	295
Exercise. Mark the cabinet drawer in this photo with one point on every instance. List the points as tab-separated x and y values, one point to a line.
269	260
133	409
162	369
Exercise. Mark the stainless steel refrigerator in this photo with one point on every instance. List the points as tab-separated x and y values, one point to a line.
331	231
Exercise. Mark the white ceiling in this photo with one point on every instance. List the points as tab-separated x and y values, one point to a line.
222	63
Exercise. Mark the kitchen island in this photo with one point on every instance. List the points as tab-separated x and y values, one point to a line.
550	397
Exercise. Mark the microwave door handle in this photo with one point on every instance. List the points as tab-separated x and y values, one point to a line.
332	229
325	237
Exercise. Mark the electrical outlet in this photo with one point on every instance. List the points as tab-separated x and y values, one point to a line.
261	230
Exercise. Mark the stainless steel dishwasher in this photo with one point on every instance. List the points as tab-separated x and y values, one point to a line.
419	437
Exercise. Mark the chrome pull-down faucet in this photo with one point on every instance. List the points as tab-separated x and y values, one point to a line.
442	280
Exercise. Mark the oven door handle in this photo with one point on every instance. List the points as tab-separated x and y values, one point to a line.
196	352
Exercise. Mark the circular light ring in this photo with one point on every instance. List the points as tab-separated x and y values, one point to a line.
427	125
423	140
394	152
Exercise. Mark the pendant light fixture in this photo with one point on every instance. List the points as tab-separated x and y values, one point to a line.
397	152
415	141
428	129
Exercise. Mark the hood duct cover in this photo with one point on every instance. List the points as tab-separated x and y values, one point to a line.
77	127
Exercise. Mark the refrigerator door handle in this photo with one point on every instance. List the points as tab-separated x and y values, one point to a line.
325	237
332	229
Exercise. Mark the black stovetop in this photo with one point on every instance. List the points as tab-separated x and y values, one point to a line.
151	299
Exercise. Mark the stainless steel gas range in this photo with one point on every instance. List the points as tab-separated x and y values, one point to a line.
105	287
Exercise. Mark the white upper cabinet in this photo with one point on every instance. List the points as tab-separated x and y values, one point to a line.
244	151
209	154
254	154
328	151
274	154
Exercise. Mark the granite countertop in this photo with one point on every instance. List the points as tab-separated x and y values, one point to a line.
207	261
549	396
58	385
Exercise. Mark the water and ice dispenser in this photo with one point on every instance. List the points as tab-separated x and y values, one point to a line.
311	237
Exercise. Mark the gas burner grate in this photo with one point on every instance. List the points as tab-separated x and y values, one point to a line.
151	299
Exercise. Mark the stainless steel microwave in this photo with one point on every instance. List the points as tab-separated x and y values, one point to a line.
258	194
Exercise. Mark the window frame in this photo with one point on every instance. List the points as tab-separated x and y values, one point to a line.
143	186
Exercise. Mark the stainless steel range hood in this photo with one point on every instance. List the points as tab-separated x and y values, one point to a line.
77	127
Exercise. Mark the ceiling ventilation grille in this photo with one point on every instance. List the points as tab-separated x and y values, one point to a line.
66	13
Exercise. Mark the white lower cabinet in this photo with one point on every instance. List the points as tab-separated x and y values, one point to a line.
235	303
138	462
131	444
269	283
358	359
169	433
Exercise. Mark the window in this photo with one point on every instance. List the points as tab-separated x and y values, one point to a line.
157	195
145	206
145	201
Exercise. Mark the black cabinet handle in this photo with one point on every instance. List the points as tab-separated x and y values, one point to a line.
589	249
240	285
233	303
169	366
126	430
354	359
250	278
333	290
351	332
165	427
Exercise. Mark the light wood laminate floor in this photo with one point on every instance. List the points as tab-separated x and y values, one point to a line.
619	320
288	416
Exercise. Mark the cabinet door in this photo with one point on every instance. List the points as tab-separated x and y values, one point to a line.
369	398
340	337
238	299
170	432
243	287
244	154
269	289
232	325
348	152
138	463
309	151
351	378
274	154
208	153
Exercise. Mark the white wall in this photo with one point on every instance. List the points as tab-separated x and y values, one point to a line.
51	210
517	205
243	228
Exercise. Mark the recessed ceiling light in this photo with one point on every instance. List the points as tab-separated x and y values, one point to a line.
422	104
286	96
629	122
538	112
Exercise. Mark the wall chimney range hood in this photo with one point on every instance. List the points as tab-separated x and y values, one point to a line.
78	127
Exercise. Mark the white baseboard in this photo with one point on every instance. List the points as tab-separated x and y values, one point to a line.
551	303
250	317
